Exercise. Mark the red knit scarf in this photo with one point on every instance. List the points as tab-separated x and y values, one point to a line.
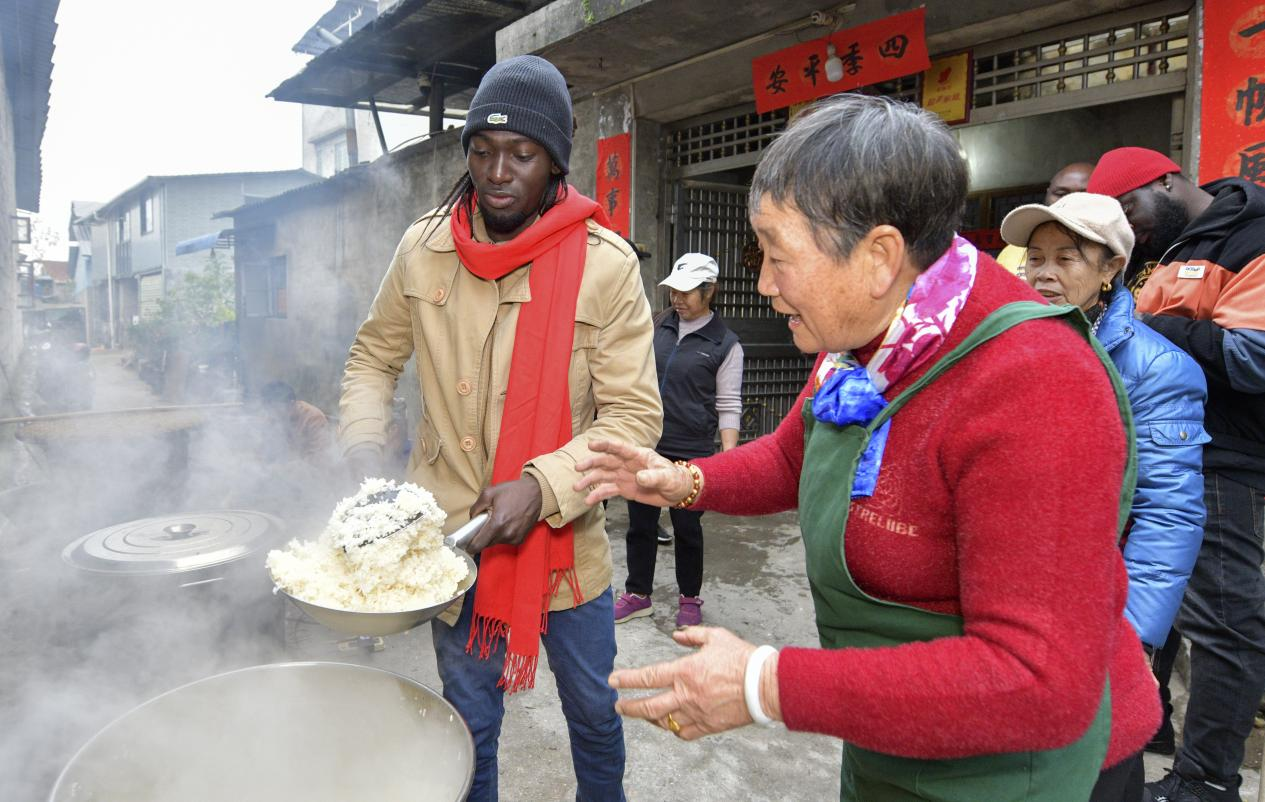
516	583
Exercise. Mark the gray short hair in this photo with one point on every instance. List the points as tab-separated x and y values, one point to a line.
853	162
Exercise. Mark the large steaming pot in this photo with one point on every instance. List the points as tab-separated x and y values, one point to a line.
182	549
317	732
189	580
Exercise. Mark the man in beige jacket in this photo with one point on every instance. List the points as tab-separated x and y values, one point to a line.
465	330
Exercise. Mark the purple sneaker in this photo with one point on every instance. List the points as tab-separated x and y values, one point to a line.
689	613
630	605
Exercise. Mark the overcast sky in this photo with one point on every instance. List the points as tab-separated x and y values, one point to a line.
153	87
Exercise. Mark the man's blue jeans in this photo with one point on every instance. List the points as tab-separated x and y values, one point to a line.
580	646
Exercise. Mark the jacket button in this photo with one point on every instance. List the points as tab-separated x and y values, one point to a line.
439	295
463	387
1182	435
467	444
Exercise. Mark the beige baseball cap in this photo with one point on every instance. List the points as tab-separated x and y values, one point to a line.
1098	218
691	270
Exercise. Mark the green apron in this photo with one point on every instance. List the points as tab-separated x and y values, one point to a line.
848	617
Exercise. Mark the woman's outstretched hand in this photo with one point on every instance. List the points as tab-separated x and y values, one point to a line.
638	474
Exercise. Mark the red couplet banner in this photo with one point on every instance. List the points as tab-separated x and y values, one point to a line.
614	180
1232	108
892	47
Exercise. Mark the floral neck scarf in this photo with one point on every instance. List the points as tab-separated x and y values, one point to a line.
848	393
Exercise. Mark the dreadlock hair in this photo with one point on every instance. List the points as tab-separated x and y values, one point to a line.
461	196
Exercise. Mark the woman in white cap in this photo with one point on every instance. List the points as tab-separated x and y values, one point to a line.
699	360
1076	250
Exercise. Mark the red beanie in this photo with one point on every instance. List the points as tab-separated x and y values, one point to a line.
1125	169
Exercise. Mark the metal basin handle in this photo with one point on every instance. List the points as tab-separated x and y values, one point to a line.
460	538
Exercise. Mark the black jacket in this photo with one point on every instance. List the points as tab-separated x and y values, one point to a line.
687	384
1207	296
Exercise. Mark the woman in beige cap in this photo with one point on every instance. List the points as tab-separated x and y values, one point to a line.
1076	250
699	362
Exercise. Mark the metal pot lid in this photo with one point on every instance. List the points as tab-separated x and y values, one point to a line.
174	544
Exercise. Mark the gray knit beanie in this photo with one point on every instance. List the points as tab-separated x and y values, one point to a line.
526	95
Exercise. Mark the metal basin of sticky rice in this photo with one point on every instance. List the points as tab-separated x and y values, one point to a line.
317	732
357	622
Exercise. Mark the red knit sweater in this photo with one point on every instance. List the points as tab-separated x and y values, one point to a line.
997	502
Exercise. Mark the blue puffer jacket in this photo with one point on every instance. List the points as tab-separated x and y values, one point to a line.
1167	392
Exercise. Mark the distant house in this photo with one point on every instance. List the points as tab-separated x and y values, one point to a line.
26	67
335	138
142	239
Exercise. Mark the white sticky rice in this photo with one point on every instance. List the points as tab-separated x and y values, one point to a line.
356	565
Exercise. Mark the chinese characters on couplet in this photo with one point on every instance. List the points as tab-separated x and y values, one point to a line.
1251	100
852	59
1232	91
811	70
1252	163
614	180
894	47
883	50
778	80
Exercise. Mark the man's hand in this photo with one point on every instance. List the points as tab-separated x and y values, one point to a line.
513	508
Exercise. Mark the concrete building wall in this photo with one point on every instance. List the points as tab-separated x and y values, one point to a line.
337	245
9	316
99	305
191	204
147	248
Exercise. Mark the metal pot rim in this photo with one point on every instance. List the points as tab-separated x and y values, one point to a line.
465	728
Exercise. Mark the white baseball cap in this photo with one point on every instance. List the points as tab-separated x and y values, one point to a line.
1098	218
691	270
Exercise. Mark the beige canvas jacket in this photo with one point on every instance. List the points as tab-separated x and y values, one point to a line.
461	328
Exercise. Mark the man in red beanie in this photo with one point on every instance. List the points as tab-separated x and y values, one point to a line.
1201	283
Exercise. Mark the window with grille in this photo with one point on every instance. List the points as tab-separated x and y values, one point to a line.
770	386
712	219
1126	51
723	137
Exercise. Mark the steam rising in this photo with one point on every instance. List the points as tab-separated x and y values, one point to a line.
82	649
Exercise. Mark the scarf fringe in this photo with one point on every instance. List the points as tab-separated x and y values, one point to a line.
555	585
518	673
487	632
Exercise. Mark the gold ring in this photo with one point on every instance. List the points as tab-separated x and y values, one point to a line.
673	725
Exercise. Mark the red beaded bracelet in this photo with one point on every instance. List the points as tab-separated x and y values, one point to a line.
697	476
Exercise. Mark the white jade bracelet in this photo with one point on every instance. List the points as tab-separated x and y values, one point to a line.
751	685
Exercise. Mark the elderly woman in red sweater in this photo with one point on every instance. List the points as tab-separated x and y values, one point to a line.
961	464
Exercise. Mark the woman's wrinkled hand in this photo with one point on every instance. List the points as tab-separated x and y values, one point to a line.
638	474
703	692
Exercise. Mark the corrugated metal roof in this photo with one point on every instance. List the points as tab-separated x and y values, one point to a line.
26	39
393	58
300	195
345	18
